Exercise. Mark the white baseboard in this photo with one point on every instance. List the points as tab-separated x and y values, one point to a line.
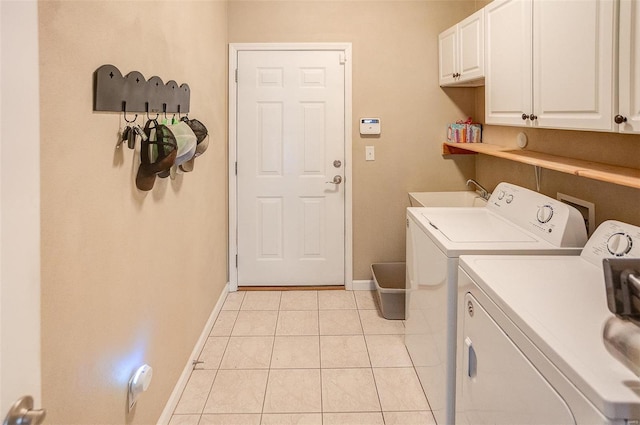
165	417
363	285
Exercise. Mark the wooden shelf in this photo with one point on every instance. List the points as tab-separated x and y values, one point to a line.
624	176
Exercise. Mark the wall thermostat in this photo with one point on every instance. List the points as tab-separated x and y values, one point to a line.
369	125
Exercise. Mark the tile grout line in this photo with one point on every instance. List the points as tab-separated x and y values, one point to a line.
217	370
275	332
375	382
320	359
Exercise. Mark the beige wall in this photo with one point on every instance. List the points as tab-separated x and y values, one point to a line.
395	66
127	277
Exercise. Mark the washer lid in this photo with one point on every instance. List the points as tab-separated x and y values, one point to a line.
475	225
559	303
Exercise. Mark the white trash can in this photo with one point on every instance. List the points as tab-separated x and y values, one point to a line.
389	279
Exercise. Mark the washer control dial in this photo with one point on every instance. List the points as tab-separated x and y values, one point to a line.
545	213
619	244
501	194
509	199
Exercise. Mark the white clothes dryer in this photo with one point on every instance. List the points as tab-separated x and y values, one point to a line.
530	333
515	220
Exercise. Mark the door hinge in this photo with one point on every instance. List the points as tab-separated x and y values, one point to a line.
236	75
236	261
236	168
343	58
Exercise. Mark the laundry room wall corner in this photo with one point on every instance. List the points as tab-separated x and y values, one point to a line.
128	277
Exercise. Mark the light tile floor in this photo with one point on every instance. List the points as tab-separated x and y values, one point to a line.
303	357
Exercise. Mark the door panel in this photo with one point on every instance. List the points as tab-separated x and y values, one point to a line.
508	66
290	129
471	61
447	47
630	66
20	367
573	56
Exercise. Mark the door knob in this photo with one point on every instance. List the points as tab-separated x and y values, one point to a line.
619	119
525	117
23	413
336	180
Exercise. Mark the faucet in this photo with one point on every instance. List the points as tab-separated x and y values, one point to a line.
484	193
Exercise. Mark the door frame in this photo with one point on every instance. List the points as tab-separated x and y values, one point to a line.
234	48
20	347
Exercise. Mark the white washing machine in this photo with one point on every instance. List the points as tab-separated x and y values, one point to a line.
515	220
530	334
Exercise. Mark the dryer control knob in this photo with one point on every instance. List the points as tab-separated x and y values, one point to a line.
619	244
501	194
545	213
509	199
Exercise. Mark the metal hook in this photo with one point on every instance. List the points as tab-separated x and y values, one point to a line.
146	107
124	111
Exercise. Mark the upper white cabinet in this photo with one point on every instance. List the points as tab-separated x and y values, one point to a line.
551	63
509	69
461	53
628	118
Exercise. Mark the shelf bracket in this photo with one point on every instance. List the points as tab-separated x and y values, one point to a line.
452	150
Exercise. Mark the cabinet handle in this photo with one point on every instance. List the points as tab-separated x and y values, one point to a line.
525	117
619	119
533	117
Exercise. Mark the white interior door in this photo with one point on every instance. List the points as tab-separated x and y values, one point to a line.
19	204
290	148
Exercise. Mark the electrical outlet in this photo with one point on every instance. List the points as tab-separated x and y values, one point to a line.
586	208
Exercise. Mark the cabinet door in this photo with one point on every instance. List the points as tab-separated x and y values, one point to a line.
629	66
508	67
471	47
448	59
573	57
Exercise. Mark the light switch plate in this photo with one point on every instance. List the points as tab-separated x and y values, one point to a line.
369	153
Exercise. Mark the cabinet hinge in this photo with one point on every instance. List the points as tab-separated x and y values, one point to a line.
236	168
236	75
236	261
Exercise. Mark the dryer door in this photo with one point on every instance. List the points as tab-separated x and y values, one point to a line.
498	383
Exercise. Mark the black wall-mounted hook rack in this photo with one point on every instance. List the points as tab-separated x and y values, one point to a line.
133	93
